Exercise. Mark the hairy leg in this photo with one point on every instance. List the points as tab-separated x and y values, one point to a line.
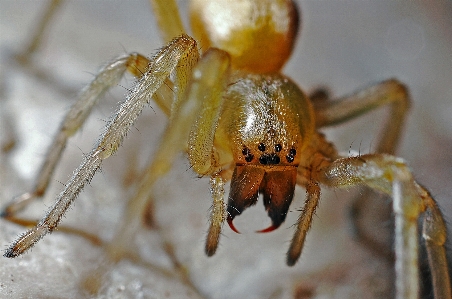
164	63
186	130
107	77
391	176
390	93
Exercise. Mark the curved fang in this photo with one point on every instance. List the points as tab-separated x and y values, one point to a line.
231	225
268	229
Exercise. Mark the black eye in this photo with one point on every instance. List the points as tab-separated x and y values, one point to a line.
274	159
291	155
247	154
289	158
278	147
269	159
261	147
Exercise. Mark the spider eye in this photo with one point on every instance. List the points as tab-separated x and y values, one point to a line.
247	154
291	155
269	159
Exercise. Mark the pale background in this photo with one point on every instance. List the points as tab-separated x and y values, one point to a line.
344	45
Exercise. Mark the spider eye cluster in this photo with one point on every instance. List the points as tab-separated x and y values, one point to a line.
269	158
259	35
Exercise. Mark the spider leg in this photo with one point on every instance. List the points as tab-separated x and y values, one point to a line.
193	118
435	235
390	92
168	19
217	214
40	30
391	176
107	77
207	87
304	222
330	112
174	55
8	138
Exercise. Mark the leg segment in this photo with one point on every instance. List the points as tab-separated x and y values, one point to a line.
435	235
207	90
217	214
40	31
331	112
168	19
163	64
194	119
108	77
304	222
391	176
391	92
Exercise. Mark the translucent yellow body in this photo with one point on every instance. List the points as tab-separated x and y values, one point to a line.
266	121
266	124
259	35
239	119
265	115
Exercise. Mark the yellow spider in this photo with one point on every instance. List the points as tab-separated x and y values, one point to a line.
240	119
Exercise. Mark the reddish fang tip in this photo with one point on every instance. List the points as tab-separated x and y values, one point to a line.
231	225
268	229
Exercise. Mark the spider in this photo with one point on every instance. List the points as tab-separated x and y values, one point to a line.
248	123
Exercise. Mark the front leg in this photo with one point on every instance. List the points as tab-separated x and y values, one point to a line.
395	95
194	119
163	64
217	214
391	175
